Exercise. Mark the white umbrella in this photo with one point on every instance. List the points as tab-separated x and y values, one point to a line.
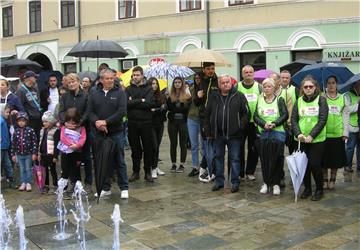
297	163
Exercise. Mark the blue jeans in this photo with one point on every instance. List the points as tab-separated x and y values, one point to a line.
119	163
6	164
194	134
350	148
25	163
233	145
277	135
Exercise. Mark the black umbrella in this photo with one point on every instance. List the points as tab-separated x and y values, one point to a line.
296	66
269	150
11	68
98	49
104	150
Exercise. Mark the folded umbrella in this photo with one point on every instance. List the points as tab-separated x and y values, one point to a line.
39	173
209	152
104	150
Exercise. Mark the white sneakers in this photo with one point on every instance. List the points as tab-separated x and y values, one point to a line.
103	193
251	177
203	175
28	187
264	189
159	172
125	194
276	190
154	173
22	187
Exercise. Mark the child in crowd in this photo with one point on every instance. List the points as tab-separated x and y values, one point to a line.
24	150
5	146
48	152
72	139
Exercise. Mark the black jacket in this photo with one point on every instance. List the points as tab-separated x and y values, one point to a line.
280	121
70	100
159	113
178	110
110	107
323	115
208	85
234	108
137	110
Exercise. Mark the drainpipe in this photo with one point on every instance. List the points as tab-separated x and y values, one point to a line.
207	8
79	30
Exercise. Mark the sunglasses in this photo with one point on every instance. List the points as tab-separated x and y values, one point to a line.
308	87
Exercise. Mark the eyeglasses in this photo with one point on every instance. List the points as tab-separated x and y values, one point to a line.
308	86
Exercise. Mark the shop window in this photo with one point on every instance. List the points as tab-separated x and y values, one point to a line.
239	2
189	5
314	55
126	64
255	59
7	20
35	16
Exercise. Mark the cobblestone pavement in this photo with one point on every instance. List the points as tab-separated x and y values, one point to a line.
179	212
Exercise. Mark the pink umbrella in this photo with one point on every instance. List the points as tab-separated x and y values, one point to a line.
39	176
260	75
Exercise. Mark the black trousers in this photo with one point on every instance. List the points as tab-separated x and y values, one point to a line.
36	125
141	141
157	131
252	155
70	165
315	154
178	128
292	146
47	163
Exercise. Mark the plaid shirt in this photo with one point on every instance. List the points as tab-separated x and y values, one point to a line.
24	142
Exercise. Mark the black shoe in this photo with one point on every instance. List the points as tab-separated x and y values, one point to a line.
173	168
216	187
305	194
194	172
282	183
317	195
134	177
234	188
148	178
180	169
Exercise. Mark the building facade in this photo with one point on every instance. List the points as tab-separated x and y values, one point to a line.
263	33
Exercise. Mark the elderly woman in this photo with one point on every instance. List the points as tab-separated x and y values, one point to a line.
337	132
270	116
308	121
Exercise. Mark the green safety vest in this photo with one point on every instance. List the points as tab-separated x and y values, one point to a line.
334	124
269	112
309	117
290	91
252	95
353	116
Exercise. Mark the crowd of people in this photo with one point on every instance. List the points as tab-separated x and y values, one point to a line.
62	122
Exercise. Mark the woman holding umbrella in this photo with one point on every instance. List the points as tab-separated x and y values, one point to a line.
178	105
270	116
308	121
337	132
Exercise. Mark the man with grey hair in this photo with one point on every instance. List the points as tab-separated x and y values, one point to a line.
226	117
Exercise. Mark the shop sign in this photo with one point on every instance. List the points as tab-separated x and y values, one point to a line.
343	55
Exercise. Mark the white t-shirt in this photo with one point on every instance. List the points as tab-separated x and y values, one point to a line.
54	98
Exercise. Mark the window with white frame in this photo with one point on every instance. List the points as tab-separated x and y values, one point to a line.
239	2
7	21
35	16
127	9
189	5
67	13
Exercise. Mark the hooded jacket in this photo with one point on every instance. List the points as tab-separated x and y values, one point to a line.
137	110
232	112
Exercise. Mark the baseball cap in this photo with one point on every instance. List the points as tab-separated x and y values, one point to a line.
30	73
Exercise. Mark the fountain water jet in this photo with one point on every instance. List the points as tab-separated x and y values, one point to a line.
5	223
61	211
81	215
116	217
21	225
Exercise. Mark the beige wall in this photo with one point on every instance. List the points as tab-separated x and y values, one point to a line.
159	19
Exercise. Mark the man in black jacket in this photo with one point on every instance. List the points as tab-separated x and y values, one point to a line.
209	84
140	101
226	117
106	109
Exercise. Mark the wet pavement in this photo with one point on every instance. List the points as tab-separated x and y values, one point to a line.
179	212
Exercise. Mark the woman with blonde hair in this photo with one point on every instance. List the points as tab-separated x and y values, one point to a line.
178	104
